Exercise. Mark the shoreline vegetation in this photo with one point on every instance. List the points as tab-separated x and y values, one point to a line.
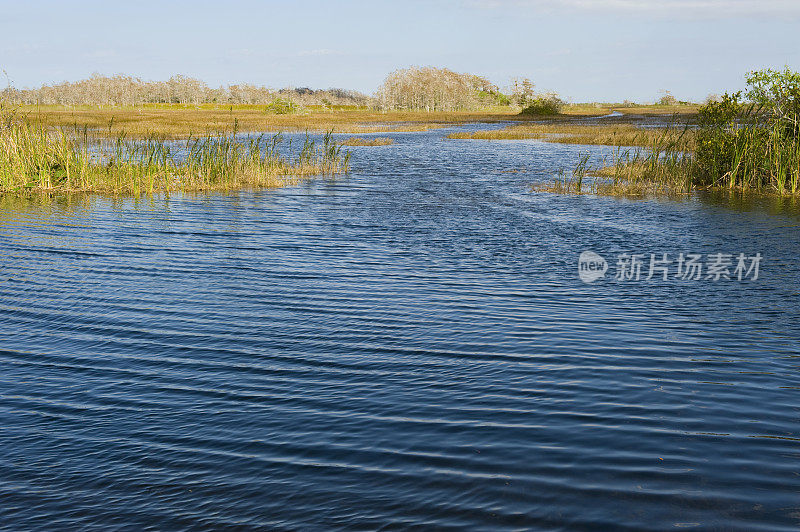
747	141
35	158
181	134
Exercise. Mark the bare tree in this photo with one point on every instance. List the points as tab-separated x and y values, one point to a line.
128	90
522	91
434	89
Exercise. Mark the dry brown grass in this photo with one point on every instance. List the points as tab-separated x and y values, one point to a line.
358	141
176	121
180	121
599	134
588	109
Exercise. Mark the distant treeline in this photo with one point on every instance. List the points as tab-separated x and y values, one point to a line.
128	90
419	89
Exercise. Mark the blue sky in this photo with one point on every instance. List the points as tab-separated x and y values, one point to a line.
586	50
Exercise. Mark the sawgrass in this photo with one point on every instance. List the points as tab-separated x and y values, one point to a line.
176	120
570	133
650	110
376	141
180	121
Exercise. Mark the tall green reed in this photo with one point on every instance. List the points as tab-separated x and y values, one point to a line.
33	157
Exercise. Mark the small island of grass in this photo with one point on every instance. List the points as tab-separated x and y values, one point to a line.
358	141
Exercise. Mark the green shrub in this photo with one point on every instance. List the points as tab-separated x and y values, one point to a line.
745	140
280	106
753	144
543	105
668	99
777	93
494	97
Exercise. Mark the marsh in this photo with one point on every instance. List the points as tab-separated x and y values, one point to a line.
407	344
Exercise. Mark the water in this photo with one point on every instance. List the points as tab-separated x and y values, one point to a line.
406	346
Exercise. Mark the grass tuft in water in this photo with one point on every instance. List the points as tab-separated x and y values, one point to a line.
358	141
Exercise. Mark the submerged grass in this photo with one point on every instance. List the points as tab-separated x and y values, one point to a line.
658	163
634	175
34	158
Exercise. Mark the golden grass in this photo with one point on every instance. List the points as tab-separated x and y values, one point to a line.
589	109
53	161
358	141
599	134
178	121
662	168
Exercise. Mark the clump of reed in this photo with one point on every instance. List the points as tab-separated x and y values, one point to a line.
572	183
35	158
358	141
743	147
662	167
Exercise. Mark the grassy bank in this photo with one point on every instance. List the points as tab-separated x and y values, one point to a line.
35	158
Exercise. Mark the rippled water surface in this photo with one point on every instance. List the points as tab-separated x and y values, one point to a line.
406	346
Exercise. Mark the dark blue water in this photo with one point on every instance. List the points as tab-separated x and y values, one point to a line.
407	346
